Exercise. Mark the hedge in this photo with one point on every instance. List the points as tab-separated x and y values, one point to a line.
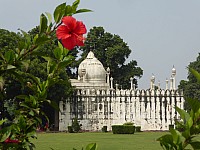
138	129
123	129
104	129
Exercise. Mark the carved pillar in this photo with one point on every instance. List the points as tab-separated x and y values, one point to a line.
111	83
168	111
143	112
137	114
108	76
153	110
131	80
163	113
158	121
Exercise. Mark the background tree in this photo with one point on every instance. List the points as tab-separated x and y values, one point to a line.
112	51
191	86
8	42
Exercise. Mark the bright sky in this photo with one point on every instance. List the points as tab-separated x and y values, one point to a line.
160	33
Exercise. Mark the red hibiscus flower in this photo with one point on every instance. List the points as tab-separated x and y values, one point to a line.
8	140
70	32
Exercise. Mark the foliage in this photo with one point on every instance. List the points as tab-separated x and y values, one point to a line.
104	129
192	86
76	127
123	129
129	123
137	128
18	132
112	51
70	129
189	125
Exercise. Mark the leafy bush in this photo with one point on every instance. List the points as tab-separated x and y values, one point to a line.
76	127
138	129
70	129
123	129
104	129
129	123
171	126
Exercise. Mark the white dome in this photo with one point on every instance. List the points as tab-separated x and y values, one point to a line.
91	69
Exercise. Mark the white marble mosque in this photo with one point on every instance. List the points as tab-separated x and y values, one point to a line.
96	103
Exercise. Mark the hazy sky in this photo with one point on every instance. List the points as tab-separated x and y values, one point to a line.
160	33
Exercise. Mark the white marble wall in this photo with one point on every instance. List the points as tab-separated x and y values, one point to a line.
150	109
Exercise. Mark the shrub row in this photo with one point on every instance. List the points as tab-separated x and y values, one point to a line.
138	129
104	129
123	129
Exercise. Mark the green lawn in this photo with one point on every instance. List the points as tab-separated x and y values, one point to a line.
105	141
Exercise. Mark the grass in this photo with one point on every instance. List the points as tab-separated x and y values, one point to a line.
105	141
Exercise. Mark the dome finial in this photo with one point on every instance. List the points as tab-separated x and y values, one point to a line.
90	55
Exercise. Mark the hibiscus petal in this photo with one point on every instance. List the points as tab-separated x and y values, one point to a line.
79	43
62	32
70	22
69	43
80	28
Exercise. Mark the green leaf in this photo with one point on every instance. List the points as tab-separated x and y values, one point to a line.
43	23
31	113
68	10
2	82
186	133
35	38
41	40
22	122
58	53
9	56
5	133
65	52
47	58
49	16
22	52
59	12
63	64
26	63
10	67
76	3
51	65
190	122
195	145
167	141
194	103
91	146
183	114
83	10
60	45
176	136
2	121
49	27
32	134
195	73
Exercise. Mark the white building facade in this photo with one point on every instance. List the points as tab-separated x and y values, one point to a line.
96	103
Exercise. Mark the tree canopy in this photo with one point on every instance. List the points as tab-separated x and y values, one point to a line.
113	52
192	86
